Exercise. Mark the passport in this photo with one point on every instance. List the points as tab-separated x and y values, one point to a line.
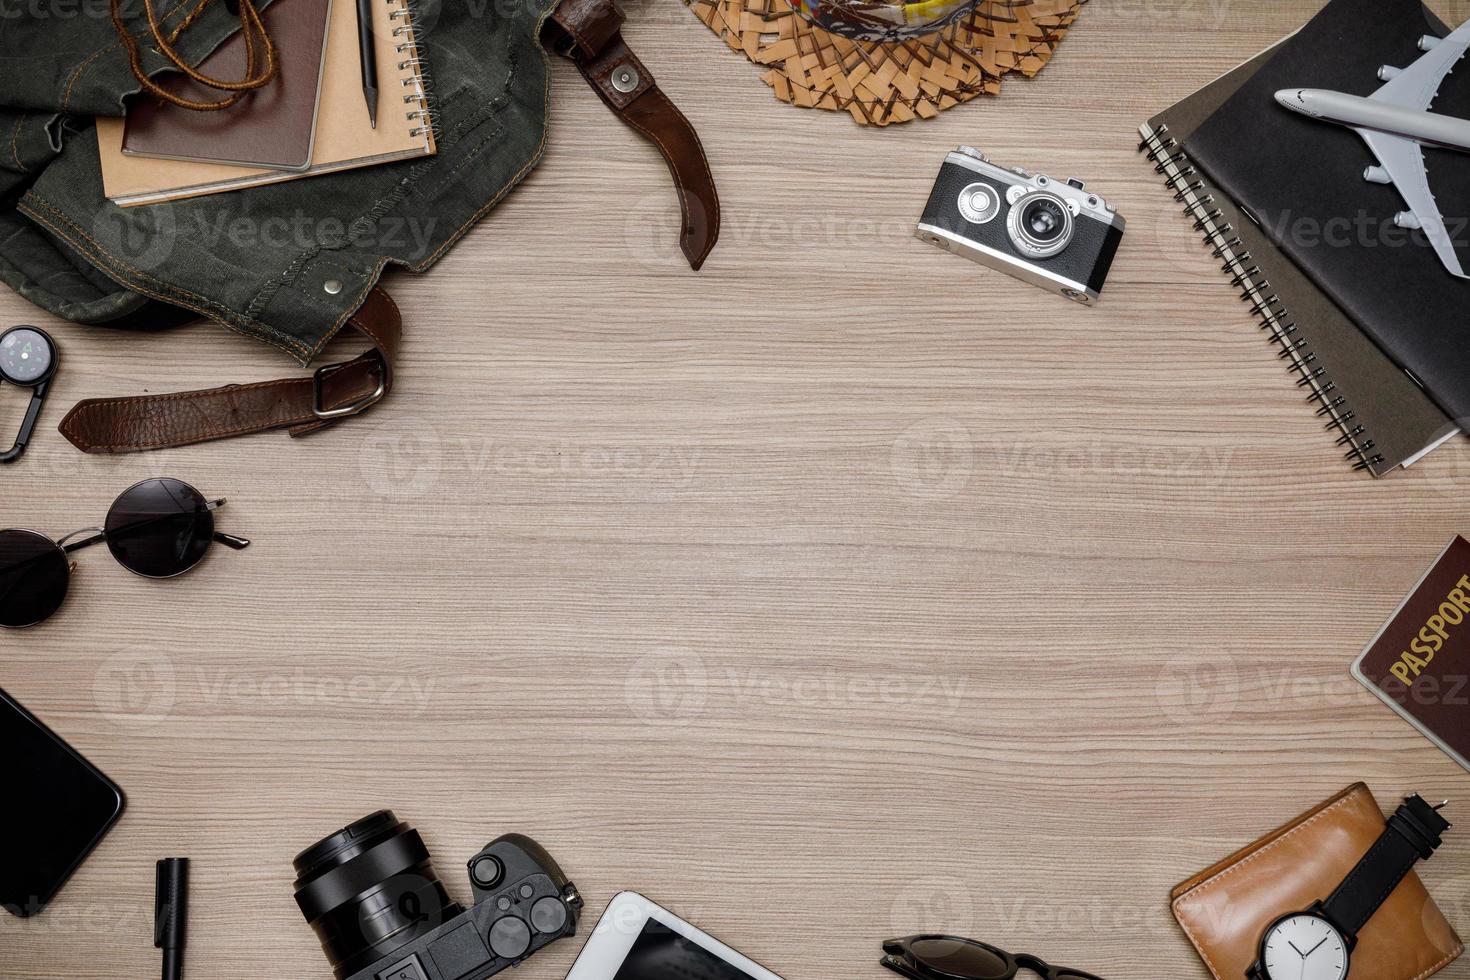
1419	663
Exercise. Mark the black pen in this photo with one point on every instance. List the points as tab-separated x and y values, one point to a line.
369	58
171	913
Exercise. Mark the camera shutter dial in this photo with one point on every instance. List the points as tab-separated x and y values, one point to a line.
978	203
548	915
510	937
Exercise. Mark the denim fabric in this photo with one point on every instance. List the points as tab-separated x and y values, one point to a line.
258	260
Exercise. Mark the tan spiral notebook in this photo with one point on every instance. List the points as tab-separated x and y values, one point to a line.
344	137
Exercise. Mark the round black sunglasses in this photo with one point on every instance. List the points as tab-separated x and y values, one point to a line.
158	529
953	958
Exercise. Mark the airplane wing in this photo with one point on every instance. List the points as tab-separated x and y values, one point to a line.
1404	160
1417	85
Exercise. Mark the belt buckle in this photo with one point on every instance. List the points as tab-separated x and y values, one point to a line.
357	407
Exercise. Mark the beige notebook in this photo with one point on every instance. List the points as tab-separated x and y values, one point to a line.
344	137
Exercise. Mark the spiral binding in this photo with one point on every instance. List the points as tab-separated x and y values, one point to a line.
1173	164
407	48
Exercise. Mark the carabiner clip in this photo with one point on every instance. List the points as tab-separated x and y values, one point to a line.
28	359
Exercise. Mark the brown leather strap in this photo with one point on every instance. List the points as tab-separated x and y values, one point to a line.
303	405
589	33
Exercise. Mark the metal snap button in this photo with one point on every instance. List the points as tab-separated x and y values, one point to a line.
332	286
625	78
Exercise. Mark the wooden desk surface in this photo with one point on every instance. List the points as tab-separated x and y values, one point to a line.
842	590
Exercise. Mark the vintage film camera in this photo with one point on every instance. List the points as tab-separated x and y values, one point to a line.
381	913
1054	235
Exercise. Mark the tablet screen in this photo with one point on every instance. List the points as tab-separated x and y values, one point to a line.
659	953
57	806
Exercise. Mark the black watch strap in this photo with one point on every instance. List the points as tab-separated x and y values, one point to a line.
1413	833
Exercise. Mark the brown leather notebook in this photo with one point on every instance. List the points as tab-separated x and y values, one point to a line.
344	139
273	126
1225	909
1419	663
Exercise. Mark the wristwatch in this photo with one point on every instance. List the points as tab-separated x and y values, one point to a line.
1316	944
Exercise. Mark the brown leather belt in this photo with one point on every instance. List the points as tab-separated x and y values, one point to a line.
302	405
589	32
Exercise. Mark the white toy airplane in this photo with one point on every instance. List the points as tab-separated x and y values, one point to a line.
1395	121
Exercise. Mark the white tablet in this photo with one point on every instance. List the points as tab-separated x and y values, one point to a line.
638	940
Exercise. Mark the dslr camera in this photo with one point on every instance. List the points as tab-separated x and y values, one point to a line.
1054	235
381	913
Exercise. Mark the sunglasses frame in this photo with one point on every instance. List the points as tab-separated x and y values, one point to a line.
899	957
96	535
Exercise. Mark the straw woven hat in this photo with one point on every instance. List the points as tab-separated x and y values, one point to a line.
887	61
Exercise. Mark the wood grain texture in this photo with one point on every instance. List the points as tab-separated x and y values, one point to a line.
841	590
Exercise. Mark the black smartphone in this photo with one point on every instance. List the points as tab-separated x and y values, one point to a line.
55	807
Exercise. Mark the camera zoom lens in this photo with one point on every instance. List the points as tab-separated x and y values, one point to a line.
370	889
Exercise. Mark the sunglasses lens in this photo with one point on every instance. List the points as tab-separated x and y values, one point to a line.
959	958
159	528
34	574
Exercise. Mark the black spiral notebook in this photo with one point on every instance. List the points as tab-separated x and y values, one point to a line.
1381	417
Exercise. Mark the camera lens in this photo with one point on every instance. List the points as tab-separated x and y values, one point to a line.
1044	220
26	355
1040	225
368	890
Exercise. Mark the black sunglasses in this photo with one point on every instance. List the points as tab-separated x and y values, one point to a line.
158	529
953	958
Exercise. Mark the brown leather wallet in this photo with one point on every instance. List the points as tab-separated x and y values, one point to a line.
1225	909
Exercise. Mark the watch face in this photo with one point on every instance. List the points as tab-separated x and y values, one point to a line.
1304	947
